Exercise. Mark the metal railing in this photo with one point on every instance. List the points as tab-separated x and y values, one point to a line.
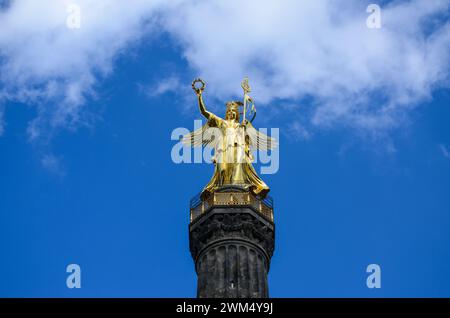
231	198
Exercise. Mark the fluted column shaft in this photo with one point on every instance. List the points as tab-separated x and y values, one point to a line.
232	248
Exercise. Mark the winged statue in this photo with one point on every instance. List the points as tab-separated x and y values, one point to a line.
233	142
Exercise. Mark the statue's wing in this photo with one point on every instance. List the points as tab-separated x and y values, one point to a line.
204	136
259	140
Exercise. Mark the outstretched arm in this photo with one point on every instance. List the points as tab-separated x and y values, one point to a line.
212	119
202	106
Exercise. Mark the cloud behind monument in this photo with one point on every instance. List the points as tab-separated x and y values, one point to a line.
368	79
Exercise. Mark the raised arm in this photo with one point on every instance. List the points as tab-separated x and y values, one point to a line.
202	107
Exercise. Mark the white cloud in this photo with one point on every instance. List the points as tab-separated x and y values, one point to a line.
445	152
53	164
298	131
321	49
45	63
2	121
171	84
364	78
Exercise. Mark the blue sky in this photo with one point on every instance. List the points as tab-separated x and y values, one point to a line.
86	174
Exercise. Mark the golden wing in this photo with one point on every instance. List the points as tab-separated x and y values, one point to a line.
259	140
204	136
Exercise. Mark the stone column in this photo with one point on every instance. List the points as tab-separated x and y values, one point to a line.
232	246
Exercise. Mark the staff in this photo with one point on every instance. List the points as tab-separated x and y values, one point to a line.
246	87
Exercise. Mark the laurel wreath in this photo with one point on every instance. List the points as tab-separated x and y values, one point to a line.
198	89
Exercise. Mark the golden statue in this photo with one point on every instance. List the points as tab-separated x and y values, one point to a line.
233	144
